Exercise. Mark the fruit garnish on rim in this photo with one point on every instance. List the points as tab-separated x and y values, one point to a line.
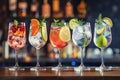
44	29
108	21
73	23
35	24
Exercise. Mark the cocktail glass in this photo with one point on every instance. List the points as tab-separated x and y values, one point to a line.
59	38
102	39
16	40
37	38
81	37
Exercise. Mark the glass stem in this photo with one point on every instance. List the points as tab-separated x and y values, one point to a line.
102	64
82	52
37	54
59	59
16	59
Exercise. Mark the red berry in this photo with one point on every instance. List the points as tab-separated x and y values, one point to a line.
21	26
14	28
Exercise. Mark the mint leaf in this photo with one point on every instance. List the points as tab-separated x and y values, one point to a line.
15	22
56	20
60	24
99	20
42	21
80	22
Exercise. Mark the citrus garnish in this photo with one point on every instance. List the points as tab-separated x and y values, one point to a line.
101	41
35	26
108	21
44	32
73	23
100	31
64	34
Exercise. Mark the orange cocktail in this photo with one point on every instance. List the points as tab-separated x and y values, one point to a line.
59	38
55	39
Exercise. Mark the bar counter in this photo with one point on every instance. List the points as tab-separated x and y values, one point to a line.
5	74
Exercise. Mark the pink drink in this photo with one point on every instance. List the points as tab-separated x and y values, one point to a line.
17	35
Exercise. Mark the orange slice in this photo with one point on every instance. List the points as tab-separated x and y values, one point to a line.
35	26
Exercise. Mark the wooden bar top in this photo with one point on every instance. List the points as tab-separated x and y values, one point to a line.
5	74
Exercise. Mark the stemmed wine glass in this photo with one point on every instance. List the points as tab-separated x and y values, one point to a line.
16	39
81	37
37	38
102	39
59	38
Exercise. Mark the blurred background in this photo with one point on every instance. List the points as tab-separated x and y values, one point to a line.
24	10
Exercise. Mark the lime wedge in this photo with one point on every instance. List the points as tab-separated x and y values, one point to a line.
108	21
64	34
100	31
73	23
101	41
44	32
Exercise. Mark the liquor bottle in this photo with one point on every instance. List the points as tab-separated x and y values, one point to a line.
56	11
22	8
34	9
13	8
69	12
46	10
81	8
56	5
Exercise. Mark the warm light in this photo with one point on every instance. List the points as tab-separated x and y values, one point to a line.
27	59
82	9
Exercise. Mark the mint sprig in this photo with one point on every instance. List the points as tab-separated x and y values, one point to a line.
15	22
58	23
99	19
80	22
56	20
42	21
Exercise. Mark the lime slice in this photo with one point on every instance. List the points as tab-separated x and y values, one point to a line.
108	21
44	32
73	23
64	34
101	41
100	31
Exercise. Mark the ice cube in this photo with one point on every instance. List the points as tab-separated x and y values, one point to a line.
78	36
80	29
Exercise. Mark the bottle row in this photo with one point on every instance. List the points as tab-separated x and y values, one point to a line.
46	8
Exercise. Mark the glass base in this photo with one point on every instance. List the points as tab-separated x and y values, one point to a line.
37	69
103	68
62	68
81	68
16	69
